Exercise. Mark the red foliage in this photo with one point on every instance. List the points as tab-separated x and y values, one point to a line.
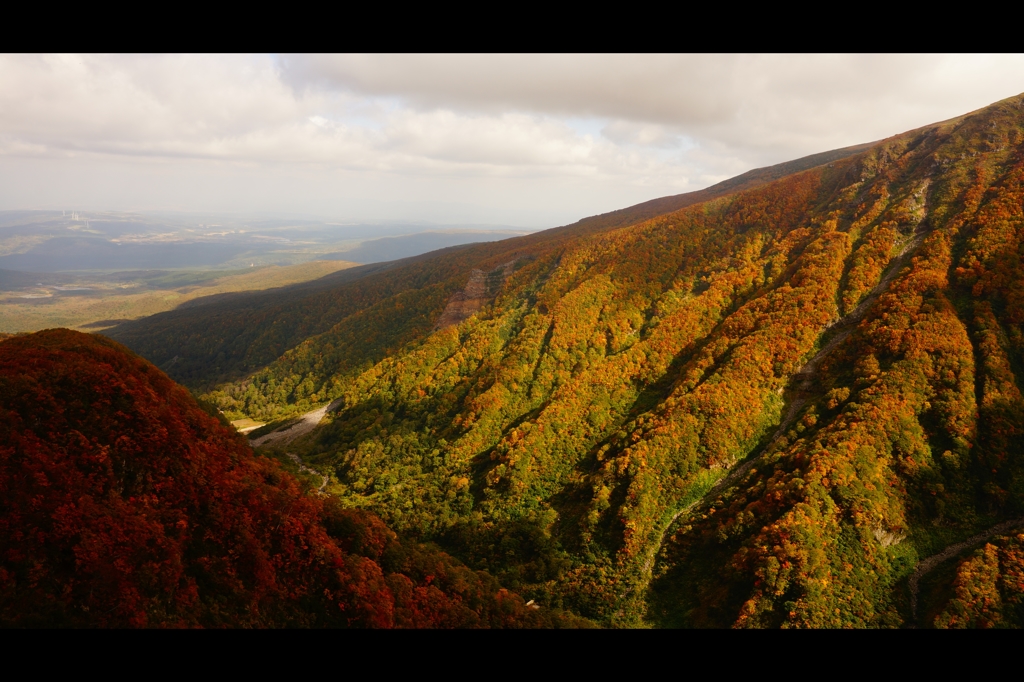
122	503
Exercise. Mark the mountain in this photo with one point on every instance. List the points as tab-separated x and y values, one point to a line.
376	308
406	246
790	400
124	504
55	242
97	300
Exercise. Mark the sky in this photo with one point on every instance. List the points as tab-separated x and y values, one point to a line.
532	141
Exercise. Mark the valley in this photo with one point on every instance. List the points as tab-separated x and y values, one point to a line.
95	301
792	399
616	413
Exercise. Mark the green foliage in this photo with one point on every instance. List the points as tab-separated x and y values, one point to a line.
872	306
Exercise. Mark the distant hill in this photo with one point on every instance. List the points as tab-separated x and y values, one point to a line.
237	334
395	248
91	253
58	242
97	300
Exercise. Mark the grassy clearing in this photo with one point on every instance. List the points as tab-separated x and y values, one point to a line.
245	425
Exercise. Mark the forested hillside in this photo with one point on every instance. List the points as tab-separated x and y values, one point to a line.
124	504
791	401
373	309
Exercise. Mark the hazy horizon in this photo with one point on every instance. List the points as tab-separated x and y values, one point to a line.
65	241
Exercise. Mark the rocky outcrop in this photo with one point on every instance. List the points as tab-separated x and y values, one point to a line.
480	290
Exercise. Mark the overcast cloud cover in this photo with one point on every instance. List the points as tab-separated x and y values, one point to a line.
535	140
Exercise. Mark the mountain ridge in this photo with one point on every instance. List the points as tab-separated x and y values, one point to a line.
763	409
146	335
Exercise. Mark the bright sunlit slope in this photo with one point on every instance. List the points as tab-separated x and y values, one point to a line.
372	310
784	406
775	404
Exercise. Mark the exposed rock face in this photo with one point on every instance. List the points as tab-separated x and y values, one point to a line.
304	425
481	289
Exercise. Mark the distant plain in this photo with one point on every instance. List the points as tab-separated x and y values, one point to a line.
90	271
96	301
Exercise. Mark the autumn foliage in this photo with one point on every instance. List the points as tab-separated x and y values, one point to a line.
988	590
124	504
759	407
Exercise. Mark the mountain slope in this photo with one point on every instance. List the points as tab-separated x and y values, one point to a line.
774	404
850	333
124	504
377	308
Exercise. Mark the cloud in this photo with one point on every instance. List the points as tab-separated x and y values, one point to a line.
238	109
567	135
770	101
642	87
644	134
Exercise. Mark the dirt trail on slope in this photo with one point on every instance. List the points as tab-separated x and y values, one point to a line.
304	425
951	551
807	377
